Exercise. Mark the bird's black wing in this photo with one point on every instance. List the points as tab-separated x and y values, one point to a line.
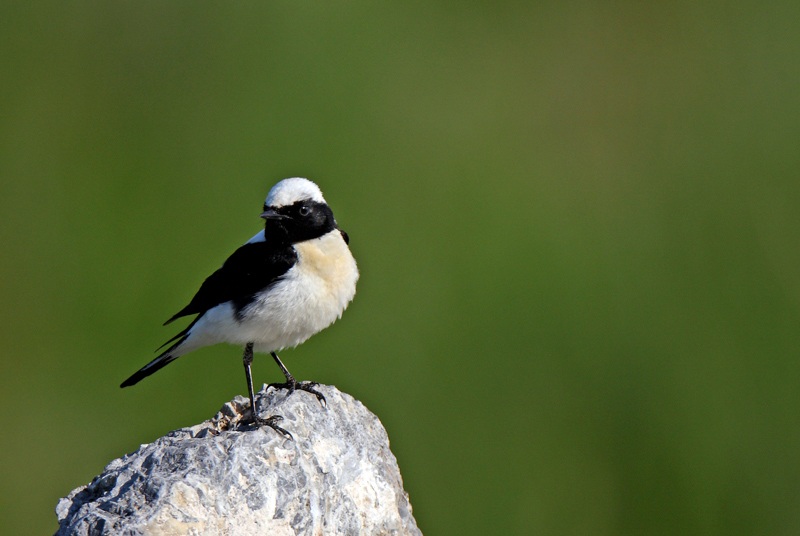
251	268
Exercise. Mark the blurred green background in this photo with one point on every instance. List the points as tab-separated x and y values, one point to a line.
577	225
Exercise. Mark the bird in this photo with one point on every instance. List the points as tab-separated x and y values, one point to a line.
284	285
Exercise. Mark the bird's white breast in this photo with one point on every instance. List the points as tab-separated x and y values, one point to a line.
309	297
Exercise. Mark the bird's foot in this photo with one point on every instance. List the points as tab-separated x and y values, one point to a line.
272	422
293	385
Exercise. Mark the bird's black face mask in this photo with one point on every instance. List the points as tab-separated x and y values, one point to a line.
297	222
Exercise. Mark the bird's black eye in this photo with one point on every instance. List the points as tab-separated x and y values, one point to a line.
304	210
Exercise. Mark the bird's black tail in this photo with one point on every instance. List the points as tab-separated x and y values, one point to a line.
164	359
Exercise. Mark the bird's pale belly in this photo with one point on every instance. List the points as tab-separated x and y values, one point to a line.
296	308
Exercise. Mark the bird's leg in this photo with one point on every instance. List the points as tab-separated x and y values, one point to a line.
292	384
247	359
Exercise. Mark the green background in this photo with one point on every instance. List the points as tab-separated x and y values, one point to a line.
577	225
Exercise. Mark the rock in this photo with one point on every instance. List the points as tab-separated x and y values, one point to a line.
225	477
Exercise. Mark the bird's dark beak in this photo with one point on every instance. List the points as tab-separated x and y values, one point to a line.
270	214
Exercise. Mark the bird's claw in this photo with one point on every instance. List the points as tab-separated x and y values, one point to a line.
272	422
302	386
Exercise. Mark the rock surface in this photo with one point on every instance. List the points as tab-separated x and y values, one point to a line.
224	477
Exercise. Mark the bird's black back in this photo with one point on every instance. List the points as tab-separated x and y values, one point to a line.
250	269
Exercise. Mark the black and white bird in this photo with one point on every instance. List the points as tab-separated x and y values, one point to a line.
287	283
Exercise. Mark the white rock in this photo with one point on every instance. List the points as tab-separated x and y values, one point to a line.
223	477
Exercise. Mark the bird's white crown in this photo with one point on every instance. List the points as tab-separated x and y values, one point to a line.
289	191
